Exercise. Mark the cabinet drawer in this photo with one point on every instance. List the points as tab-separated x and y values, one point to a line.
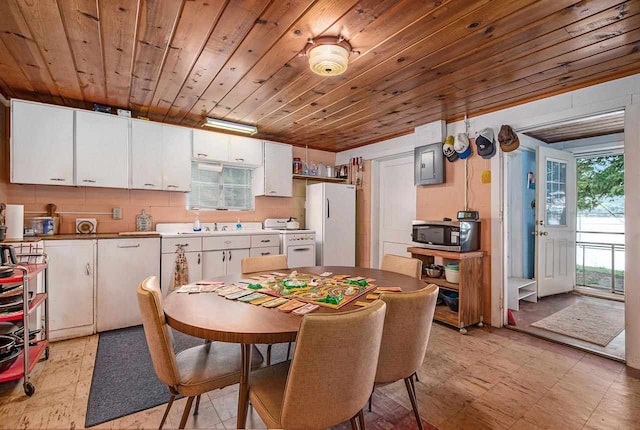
261	252
225	242
192	244
262	241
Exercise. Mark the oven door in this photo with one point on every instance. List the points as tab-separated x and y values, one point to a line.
301	256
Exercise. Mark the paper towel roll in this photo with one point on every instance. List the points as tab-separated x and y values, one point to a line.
15	221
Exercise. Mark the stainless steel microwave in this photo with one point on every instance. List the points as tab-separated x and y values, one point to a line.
457	236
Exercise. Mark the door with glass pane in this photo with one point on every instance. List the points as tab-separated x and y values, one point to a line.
555	221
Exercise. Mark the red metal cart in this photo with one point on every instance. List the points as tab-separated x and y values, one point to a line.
32	350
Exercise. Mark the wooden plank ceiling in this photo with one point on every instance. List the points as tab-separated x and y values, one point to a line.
417	61
581	128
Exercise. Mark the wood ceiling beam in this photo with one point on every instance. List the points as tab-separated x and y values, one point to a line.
365	31
20	43
80	21
118	24
372	130
156	25
514	45
232	28
197	22
486	78
318	19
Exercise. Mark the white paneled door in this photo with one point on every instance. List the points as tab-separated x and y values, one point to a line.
397	205
555	221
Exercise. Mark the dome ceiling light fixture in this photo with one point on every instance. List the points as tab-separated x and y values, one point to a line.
328	55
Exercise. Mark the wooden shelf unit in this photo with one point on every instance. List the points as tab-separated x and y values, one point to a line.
469	288
521	289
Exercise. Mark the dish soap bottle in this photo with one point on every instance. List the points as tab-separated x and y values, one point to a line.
238	225
196	223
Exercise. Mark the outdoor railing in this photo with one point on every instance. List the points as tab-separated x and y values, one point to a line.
604	274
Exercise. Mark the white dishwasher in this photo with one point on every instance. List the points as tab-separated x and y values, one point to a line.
122	265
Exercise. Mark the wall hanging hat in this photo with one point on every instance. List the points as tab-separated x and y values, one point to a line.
508	139
486	143
181	269
462	146
448	150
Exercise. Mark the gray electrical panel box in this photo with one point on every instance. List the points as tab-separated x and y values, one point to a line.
429	162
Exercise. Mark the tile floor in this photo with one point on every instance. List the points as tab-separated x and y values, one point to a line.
489	379
529	313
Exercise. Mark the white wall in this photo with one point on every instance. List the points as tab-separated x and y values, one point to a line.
632	235
616	94
425	134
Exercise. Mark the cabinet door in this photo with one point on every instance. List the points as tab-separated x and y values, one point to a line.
245	151
210	146
234	260
122	265
176	158
278	179
41	144
71	287
194	261
146	155
102	150
214	264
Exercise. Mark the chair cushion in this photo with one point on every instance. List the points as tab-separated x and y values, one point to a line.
266	392
211	366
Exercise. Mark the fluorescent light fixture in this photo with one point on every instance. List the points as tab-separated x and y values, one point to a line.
210	167
231	126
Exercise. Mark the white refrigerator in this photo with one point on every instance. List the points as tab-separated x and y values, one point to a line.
331	213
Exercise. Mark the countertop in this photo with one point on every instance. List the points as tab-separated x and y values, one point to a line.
213	233
84	237
140	235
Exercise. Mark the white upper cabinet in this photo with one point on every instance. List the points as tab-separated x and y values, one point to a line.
278	160
41	144
102	150
245	151
146	155
176	158
274	177
210	146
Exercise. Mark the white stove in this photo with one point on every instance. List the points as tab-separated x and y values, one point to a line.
298	245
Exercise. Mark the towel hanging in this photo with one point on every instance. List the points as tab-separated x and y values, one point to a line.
181	269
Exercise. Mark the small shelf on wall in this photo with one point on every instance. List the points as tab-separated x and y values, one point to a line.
320	178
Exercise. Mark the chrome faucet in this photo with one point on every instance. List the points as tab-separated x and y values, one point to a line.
215	226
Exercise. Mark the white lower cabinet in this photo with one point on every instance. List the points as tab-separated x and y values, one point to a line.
122	265
223	262
71	287
194	261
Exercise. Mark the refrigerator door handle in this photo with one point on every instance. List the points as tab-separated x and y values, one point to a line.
328	209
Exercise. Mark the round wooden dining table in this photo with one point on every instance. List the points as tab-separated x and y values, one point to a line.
212	317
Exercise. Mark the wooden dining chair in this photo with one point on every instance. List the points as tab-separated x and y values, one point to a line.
263	264
194	371
330	376
403	265
407	327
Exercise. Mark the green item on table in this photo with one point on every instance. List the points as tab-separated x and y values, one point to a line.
255	287
293	283
360	283
331	299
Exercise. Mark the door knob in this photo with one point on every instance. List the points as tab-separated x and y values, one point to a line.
544	233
